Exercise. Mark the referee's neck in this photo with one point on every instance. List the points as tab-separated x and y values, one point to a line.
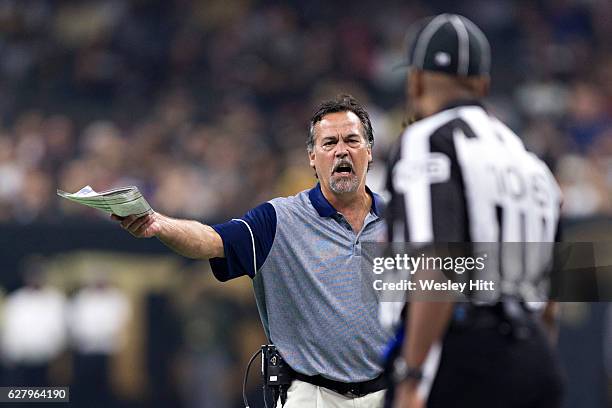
437	91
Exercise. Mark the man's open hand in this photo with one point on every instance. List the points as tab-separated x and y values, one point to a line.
146	226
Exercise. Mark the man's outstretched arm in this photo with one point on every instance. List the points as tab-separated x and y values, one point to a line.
188	238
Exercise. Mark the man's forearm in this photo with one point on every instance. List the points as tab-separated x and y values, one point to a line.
550	318
426	324
189	238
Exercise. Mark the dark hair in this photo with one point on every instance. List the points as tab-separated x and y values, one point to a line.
342	103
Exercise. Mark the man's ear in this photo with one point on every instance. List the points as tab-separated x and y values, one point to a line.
311	158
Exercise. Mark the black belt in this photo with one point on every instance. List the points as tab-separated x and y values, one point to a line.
508	317
351	390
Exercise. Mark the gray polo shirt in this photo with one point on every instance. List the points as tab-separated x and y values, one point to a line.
305	261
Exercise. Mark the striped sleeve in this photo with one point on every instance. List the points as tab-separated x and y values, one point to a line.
428	178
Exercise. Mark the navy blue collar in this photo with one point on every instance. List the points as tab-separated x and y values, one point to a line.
325	209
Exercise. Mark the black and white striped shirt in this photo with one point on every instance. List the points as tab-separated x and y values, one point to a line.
461	175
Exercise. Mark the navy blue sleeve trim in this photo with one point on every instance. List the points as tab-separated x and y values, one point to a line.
255	230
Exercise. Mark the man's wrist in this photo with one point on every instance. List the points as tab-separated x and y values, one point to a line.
163	226
402	372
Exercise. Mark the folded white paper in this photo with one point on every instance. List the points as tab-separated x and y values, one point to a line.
122	201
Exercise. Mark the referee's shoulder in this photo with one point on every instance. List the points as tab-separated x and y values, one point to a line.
435	128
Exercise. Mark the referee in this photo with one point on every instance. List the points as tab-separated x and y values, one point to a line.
459	175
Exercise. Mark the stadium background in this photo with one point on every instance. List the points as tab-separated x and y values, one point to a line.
204	106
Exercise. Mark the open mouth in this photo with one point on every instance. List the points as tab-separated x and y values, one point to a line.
343	169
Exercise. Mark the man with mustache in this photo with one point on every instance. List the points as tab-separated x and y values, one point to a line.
304	255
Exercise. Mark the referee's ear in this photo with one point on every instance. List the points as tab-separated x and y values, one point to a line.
483	84
414	84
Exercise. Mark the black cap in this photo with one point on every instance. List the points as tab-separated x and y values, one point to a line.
449	43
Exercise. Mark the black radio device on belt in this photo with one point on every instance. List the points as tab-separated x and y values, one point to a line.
275	373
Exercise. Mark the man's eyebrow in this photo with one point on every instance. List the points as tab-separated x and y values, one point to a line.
329	137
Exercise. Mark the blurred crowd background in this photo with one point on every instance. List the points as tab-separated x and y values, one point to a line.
204	106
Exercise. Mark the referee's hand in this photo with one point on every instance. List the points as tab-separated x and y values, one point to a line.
146	226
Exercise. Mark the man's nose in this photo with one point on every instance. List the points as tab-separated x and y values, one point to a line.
341	149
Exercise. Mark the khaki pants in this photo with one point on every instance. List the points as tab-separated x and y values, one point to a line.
304	395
